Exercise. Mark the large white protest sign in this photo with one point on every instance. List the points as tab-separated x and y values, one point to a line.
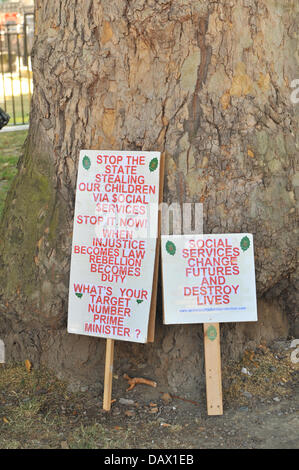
208	278
114	244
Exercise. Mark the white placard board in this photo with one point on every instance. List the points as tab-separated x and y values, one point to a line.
114	244
208	278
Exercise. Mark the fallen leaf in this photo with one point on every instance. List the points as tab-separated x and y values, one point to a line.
165	425
153	404
28	365
248	354
5	420
129	413
166	397
117	428
153	410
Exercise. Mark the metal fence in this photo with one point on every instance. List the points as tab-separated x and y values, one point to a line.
16	39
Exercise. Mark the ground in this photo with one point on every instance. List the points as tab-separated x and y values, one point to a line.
260	410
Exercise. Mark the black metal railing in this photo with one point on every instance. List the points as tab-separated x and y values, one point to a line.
16	42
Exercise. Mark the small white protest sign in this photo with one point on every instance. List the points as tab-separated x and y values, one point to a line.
114	244
208	278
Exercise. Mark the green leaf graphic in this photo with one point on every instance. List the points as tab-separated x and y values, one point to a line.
78	295
245	243
153	165
170	248
212	332
86	162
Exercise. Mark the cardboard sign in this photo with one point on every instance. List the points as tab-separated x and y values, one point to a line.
114	244
208	278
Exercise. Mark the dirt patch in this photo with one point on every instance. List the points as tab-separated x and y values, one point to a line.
260	410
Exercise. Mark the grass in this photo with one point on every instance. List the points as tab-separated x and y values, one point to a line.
25	399
90	437
11	144
21	115
38	411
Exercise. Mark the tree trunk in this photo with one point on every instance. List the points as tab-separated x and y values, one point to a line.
207	84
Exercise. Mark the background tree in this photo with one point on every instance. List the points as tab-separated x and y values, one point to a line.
207	84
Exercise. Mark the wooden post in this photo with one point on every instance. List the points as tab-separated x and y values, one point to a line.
153	308
213	368
108	374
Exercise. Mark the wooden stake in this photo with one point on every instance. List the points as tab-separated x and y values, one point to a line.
213	368
108	374
153	307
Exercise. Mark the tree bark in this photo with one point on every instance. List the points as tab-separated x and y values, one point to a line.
207	84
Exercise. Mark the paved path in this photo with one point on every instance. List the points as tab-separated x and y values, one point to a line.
23	127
